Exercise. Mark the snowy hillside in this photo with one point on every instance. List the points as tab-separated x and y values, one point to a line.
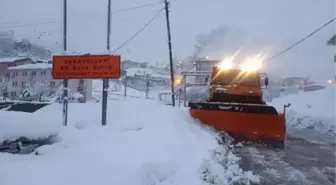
10	47
313	110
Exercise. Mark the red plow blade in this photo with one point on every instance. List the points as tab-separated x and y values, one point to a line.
256	123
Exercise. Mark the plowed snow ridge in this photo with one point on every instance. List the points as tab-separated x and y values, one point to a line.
313	110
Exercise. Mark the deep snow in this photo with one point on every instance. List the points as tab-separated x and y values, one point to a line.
143	143
14	125
313	110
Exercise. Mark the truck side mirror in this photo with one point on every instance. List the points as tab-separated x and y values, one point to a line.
266	81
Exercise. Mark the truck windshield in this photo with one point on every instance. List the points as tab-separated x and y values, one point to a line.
235	77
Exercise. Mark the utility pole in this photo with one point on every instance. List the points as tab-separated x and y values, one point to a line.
106	80
170	52
65	81
147	85
332	42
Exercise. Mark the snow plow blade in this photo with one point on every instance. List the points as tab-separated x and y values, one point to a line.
243	122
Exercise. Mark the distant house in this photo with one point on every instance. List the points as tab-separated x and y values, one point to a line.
39	60
13	61
137	78
126	64
144	65
204	65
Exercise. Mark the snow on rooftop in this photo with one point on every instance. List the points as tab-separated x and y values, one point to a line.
11	59
32	66
42	60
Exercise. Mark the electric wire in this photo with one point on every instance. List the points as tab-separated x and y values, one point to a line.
138	32
300	41
57	19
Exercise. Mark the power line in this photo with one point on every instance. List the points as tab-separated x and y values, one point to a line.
300	13
136	7
297	43
139	31
57	19
271	21
25	25
311	4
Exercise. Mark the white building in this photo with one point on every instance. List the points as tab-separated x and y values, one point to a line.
38	79
204	65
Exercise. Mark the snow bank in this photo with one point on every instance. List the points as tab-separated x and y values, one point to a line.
312	110
214	172
143	144
14	125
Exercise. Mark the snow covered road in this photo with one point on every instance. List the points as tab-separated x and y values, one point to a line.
303	161
309	155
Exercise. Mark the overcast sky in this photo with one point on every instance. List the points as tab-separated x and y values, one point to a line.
265	25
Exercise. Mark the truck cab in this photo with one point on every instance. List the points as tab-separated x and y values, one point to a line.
237	86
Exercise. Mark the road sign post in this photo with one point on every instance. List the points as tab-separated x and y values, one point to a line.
86	67
125	87
106	81
65	81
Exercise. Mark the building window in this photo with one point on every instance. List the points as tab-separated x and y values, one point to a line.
43	73
43	82
80	89
53	83
198	67
13	93
81	82
15	74
33	73
24	73
51	93
23	84
14	84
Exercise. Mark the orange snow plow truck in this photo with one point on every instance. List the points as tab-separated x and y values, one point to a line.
236	106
